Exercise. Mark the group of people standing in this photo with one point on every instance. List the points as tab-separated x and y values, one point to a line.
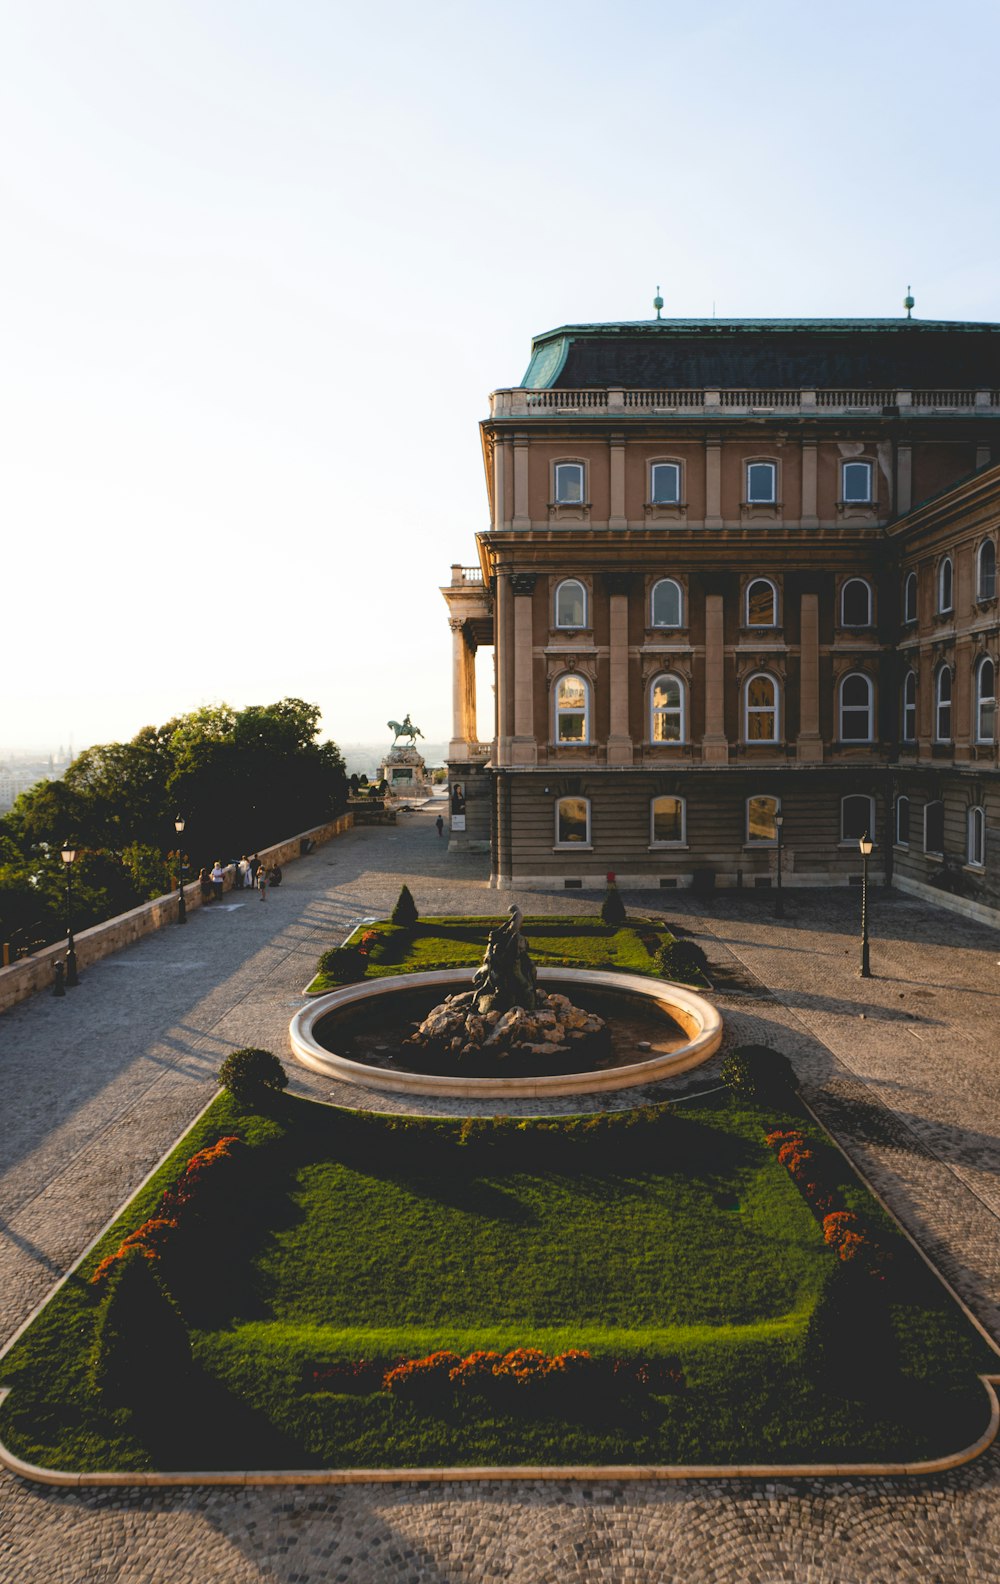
248	874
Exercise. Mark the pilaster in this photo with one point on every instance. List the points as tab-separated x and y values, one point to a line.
809	746
715	744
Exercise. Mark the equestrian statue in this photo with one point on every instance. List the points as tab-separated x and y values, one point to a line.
404	728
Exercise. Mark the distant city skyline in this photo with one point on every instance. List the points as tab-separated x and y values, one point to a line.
263	267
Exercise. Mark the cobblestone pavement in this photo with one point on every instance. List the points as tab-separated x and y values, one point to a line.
98	1085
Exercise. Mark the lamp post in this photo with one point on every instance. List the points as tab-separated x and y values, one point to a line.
182	916
69	858
866	844
779	900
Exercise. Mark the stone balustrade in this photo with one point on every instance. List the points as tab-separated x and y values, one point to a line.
835	403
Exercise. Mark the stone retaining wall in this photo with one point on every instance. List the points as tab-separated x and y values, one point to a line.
23	978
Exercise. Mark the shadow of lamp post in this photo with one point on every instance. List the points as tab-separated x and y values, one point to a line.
779	900
866	844
182	916
69	858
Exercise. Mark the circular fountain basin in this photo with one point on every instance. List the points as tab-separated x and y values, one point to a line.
698	1026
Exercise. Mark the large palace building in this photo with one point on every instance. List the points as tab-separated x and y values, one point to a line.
741	581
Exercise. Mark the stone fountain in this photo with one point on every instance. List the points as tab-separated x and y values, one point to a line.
505	1015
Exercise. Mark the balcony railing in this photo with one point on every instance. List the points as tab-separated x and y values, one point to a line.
613	401
463	574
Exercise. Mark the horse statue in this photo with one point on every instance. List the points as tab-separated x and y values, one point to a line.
404	728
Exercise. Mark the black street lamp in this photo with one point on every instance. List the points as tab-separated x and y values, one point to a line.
69	858
779	900
866	844
182	916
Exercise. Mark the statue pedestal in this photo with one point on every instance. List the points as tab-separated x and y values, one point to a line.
406	773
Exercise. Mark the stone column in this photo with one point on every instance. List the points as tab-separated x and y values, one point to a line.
620	748
458	748
961	700
904	479
522	516
810	518
505	669
524	749
499	484
810	743
617	517
713	484
715	744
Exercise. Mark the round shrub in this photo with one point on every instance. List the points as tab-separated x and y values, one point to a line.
252	1075
343	964
682	959
758	1072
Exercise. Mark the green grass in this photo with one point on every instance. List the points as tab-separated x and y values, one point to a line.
577	942
364	1235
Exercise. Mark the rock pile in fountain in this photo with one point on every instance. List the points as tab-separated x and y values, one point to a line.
505	1016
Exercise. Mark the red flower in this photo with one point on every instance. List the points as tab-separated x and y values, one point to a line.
611	877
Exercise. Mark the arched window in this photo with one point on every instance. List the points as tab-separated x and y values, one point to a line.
942	705
910	707
572	822
944	587
856	708
902	822
571	604
857	817
762	483
762	815
665	483
976	837
761	709
666	710
986	571
986	700
667	822
856	482
934	828
761	604
569	483
666	604
910	597
572	709
856	603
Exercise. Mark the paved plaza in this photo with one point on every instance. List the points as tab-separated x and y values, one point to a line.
903	1068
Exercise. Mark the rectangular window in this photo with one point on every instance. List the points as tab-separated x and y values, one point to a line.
569	483
572	821
856	482
666	484
762	483
762	819
667	819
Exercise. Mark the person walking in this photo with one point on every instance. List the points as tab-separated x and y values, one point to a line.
439	822
262	883
205	881
218	880
254	869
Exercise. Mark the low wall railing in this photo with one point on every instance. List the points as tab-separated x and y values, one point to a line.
33	973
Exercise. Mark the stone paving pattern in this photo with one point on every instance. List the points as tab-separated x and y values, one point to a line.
902	1067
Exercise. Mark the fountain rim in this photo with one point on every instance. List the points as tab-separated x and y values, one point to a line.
696	1016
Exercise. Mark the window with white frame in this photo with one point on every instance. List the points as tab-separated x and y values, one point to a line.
934	828
571	604
856	708
762	822
666	604
761	604
666	710
902	822
910	597
942	705
975	850
572	709
762	483
986	570
760	716
572	822
857	817
856	603
986	700
856	483
945	579
569	483
910	707
665	484
667	818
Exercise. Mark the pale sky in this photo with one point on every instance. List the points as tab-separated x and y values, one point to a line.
262	264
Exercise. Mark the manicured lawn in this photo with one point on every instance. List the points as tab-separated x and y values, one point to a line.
363	1236
554	942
